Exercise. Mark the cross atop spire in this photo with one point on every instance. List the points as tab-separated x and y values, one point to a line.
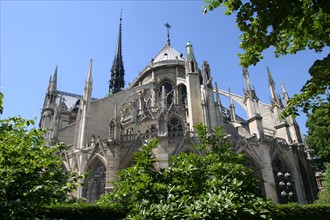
168	26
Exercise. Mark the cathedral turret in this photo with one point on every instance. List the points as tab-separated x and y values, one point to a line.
293	126
232	108
52	88
281	126
117	82
208	104
218	106
253	112
276	101
193	80
88	85
284	94
50	102
82	120
250	96
191	64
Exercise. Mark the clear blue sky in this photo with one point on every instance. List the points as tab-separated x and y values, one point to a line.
38	35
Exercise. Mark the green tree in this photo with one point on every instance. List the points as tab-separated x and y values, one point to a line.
1	102
318	137
31	173
289	26
324	196
211	184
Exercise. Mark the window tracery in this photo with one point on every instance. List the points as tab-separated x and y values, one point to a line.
182	90
112	129
151	130
147	99
175	128
168	88
94	185
284	182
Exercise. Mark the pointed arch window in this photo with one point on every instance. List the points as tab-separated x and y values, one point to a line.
94	185
182	93
250	162
285	186
168	88
147	99
151	131
112	129
175	128
192	66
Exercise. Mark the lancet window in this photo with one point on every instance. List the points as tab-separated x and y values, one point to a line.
94	185
112	129
182	92
284	181
147	98
175	128
167	88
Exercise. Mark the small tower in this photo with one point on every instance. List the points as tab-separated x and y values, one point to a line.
276	103
281	126
253	112
208	104
232	107
81	124
117	82
193	80
293	125
218	106
82	120
191	64
284	94
49	103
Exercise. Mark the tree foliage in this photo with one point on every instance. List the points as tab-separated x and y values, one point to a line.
213	184
318	138
316	91
1	103
31	173
324	196
289	26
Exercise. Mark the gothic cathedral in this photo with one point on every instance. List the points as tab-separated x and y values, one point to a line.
167	98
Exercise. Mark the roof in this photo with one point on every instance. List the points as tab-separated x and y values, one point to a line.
168	53
69	99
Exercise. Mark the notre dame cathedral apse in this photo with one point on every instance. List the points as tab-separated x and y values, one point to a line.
166	99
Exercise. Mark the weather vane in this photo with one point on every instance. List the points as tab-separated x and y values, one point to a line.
168	26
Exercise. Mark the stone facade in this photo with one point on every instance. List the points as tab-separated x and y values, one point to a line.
166	100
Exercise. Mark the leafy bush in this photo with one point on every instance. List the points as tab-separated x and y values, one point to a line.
213	184
98	212
31	173
324	196
82	211
302	212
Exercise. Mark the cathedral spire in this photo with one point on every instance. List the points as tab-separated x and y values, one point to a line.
53	82
89	83
284	94
250	92
247	80
116	83
275	97
191	64
232	108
